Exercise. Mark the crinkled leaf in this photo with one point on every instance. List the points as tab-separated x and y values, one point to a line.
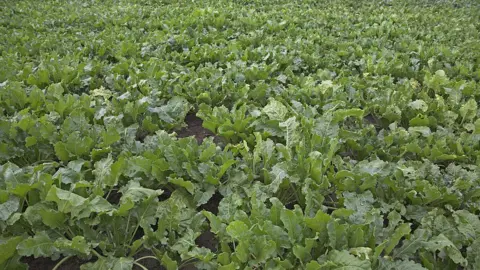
66	201
109	263
293	222
344	260
394	239
237	230
361	204
39	245
76	246
174	111
441	242
400	265
419	105
107	171
275	110
9	207
134	192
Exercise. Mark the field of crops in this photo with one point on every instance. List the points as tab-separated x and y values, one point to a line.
249	134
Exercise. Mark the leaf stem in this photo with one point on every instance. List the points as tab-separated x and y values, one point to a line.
61	262
133	235
128	224
187	262
96	253
297	198
70	233
146	257
108	194
140	265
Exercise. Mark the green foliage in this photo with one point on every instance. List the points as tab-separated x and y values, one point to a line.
345	133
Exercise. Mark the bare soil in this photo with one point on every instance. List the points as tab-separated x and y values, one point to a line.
48	264
195	128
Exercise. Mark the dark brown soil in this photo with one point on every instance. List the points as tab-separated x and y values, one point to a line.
75	262
207	240
194	128
370	119
114	196
148	263
47	264
212	204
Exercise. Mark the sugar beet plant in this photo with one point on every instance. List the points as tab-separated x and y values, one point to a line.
345	134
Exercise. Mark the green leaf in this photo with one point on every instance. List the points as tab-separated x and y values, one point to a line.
52	218
319	222
337	234
61	151
277	234
30	141
468	110
441	242
110	263
361	204
230	266
242	251
313	265
357	238
262	249
291	133
473	254
394	239
56	90
400	265
424	131
8	246
477	126
14	263
77	246
123	263
107	171
238	230
66	201
293	221
411	244
344	260
418	105
208	152
109	137
169	263
134	192
303	252
174	111
275	110
467	223
39	245
225	166
216	224
373	167
136	166
100	205
182	183
9	207
325	128
342	114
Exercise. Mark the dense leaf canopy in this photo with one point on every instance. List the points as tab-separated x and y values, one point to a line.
345	133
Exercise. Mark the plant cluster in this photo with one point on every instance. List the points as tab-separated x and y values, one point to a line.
347	133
